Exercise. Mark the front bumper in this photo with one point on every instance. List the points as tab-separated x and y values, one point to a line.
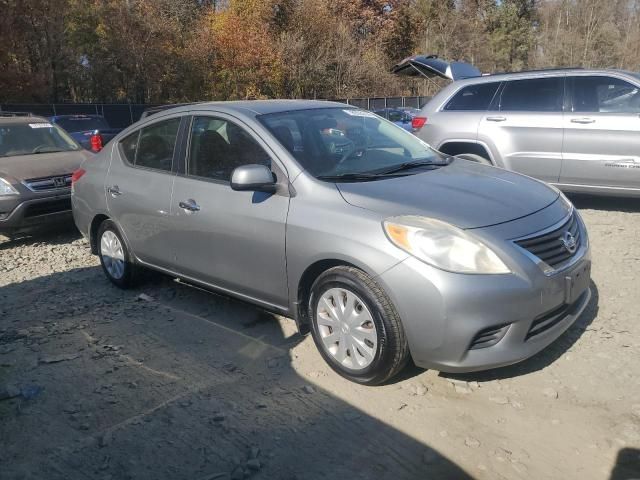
35	212
448	316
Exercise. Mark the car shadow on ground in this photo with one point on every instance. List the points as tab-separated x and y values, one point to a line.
180	384
627	466
56	235
592	202
546	357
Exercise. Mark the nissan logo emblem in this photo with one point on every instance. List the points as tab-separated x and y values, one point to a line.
569	242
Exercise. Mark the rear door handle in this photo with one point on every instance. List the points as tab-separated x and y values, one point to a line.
114	191
190	206
496	119
583	120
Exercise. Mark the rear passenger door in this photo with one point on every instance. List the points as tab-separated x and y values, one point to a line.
232	240
524	126
602	133
138	188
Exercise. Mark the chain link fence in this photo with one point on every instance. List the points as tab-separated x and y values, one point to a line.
123	115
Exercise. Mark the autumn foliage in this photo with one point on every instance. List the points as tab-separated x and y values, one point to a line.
153	51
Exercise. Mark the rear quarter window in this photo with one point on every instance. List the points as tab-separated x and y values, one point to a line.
473	97
152	146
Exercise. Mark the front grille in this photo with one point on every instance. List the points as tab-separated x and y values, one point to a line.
550	319
488	337
48	183
552	247
46	208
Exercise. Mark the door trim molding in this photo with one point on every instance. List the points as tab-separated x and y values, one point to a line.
216	288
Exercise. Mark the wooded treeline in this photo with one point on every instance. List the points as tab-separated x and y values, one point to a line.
153	51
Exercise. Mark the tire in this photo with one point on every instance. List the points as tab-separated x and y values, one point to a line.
472	157
118	267
373	329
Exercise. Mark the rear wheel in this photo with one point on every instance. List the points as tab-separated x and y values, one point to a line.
355	326
114	255
472	157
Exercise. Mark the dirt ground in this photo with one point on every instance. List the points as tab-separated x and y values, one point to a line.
169	382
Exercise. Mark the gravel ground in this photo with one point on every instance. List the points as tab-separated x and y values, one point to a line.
169	382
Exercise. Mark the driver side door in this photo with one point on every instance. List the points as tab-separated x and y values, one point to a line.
231	240
602	133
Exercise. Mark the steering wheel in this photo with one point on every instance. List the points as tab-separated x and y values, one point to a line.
350	153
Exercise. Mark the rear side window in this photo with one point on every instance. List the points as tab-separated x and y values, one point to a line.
473	97
605	94
152	146
533	95
128	147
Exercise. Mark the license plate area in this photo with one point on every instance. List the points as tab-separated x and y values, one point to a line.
577	282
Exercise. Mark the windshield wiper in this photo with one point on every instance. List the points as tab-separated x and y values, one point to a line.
415	164
356	177
49	151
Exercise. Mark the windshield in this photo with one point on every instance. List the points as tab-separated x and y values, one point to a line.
336	141
30	138
82	124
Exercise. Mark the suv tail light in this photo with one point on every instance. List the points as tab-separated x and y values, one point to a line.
418	122
96	142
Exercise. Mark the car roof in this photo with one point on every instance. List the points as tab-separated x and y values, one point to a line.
258	107
21	120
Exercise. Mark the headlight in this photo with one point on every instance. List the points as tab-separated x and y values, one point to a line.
442	245
6	188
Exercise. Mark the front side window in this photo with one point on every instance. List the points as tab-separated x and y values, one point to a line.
36	137
473	97
347	141
533	95
152	146
396	116
218	146
605	94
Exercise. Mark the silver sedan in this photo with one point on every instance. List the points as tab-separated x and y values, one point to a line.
381	247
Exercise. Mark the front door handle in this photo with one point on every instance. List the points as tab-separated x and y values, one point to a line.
496	119
114	191
190	206
583	121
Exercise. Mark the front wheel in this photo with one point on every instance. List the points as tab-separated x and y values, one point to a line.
114	255
355	326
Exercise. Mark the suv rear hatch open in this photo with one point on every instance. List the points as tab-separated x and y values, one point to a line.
430	66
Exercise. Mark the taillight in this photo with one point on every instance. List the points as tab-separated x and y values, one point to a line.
418	122
77	175
96	142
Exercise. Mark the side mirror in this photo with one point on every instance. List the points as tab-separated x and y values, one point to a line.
253	177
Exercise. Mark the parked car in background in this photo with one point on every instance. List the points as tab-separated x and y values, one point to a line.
323	212
578	129
91	131
37	159
404	117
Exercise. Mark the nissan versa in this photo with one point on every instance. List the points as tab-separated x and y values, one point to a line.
382	247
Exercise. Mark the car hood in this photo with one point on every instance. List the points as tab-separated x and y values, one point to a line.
24	167
465	194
